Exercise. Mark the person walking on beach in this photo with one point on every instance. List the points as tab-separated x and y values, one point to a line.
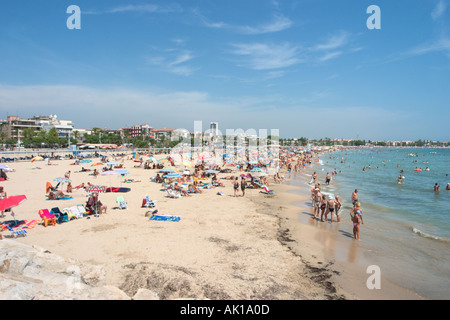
357	220
243	186
317	201
236	186
331	206
323	206
355	197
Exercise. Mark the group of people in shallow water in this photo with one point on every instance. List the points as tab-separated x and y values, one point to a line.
324	205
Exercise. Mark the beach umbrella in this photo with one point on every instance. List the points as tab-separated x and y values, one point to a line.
96	189
211	171
4	167
86	161
172	175
110	173
38	158
11	201
97	164
113	163
166	170
256	170
121	171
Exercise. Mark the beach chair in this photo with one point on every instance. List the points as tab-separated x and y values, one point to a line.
172	194
16	232
82	210
69	213
49	219
267	190
121	202
76	212
59	215
147	203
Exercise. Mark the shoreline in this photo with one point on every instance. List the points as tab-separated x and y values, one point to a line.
339	252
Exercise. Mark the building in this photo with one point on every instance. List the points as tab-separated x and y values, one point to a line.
214	129
14	126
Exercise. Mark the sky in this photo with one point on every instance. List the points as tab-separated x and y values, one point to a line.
308	68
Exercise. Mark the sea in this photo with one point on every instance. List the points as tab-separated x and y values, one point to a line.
406	230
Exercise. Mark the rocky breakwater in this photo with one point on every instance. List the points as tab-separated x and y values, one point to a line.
33	273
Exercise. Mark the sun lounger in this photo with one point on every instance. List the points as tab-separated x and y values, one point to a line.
147	203
49	219
172	194
121	203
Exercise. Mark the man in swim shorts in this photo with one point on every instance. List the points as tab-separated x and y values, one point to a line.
355	197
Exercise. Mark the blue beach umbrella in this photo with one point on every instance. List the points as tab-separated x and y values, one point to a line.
172	175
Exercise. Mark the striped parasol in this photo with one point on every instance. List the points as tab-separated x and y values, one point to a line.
96	189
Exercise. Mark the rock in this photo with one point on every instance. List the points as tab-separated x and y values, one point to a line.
145	294
32	273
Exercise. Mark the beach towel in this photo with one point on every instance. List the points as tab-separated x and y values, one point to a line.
165	218
60	199
115	189
22	224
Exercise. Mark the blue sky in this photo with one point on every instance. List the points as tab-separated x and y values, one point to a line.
308	68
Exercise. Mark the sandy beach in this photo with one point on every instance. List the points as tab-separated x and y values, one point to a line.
223	247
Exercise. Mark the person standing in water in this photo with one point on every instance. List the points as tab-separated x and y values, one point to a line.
355	197
357	220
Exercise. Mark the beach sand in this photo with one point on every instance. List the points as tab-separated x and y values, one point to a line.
223	247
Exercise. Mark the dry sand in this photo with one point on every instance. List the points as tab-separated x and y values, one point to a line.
224	247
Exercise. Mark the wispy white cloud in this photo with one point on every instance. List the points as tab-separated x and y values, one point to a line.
143	8
334	42
278	23
262	56
441	44
174	62
439	10
330	56
105	107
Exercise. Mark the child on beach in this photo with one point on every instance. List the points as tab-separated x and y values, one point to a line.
356	217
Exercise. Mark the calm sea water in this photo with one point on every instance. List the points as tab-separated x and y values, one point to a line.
406	227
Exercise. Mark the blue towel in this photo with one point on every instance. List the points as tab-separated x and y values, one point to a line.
165	218
60	199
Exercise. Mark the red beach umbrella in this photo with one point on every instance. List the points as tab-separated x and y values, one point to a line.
11	201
